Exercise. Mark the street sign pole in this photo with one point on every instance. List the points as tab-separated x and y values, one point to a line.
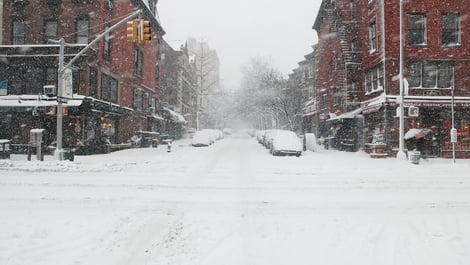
453	131
401	141
60	84
59	153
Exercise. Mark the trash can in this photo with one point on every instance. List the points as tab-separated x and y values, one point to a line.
4	149
414	157
36	143
69	154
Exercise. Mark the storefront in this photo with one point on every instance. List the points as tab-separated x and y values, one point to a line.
88	124
436	119
346	131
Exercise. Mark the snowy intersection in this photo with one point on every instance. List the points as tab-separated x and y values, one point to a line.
233	203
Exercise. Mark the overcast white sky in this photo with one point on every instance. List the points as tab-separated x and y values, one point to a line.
241	29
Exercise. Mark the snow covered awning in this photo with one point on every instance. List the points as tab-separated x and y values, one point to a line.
416	133
346	115
175	116
27	103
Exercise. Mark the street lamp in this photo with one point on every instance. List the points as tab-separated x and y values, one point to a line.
401	144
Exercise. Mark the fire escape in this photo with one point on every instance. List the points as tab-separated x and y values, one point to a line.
348	60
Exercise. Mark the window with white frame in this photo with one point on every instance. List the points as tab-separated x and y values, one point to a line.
450	29
416	29
372	37
430	74
324	101
337	97
82	30
50	30
109	88
375	79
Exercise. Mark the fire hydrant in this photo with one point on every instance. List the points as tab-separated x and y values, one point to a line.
168	146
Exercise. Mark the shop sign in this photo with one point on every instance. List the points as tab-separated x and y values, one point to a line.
453	135
436	104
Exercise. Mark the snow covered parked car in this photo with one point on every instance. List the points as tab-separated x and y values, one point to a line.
286	143
206	137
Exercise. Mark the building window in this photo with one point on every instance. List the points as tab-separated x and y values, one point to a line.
324	101
352	6
75	80
107	45
450	29
19	34
337	96
82	30
51	76
138	62
430	74
372	37
416	29
138	99
109	88
375	79
50	30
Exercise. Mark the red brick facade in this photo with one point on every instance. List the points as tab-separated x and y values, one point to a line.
436	59
109	76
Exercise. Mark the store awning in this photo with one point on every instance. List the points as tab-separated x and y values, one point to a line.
416	133
29	103
347	115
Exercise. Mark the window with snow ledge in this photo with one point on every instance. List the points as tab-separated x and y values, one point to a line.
417	29
430	74
372	37
374	79
451	30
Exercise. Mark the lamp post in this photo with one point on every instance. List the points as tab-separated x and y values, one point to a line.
401	144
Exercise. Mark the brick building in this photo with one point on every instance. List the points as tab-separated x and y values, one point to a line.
436	62
115	83
179	82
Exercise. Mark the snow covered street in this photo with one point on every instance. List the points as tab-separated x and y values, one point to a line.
233	203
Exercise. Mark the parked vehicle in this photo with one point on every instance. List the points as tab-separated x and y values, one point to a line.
206	137
286	143
269	137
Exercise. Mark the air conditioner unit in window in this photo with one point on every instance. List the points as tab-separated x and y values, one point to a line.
151	110
19	1
49	90
108	4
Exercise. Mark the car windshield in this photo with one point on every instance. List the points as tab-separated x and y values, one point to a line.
249	132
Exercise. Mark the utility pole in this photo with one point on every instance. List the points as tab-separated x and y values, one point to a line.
401	141
59	152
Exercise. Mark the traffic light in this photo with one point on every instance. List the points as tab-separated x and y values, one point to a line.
145	31
132	30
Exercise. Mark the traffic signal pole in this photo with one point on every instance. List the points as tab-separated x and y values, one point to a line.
59	152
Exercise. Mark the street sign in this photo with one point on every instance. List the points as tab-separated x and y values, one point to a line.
453	135
62	100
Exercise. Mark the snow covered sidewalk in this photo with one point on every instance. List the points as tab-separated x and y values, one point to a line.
233	203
